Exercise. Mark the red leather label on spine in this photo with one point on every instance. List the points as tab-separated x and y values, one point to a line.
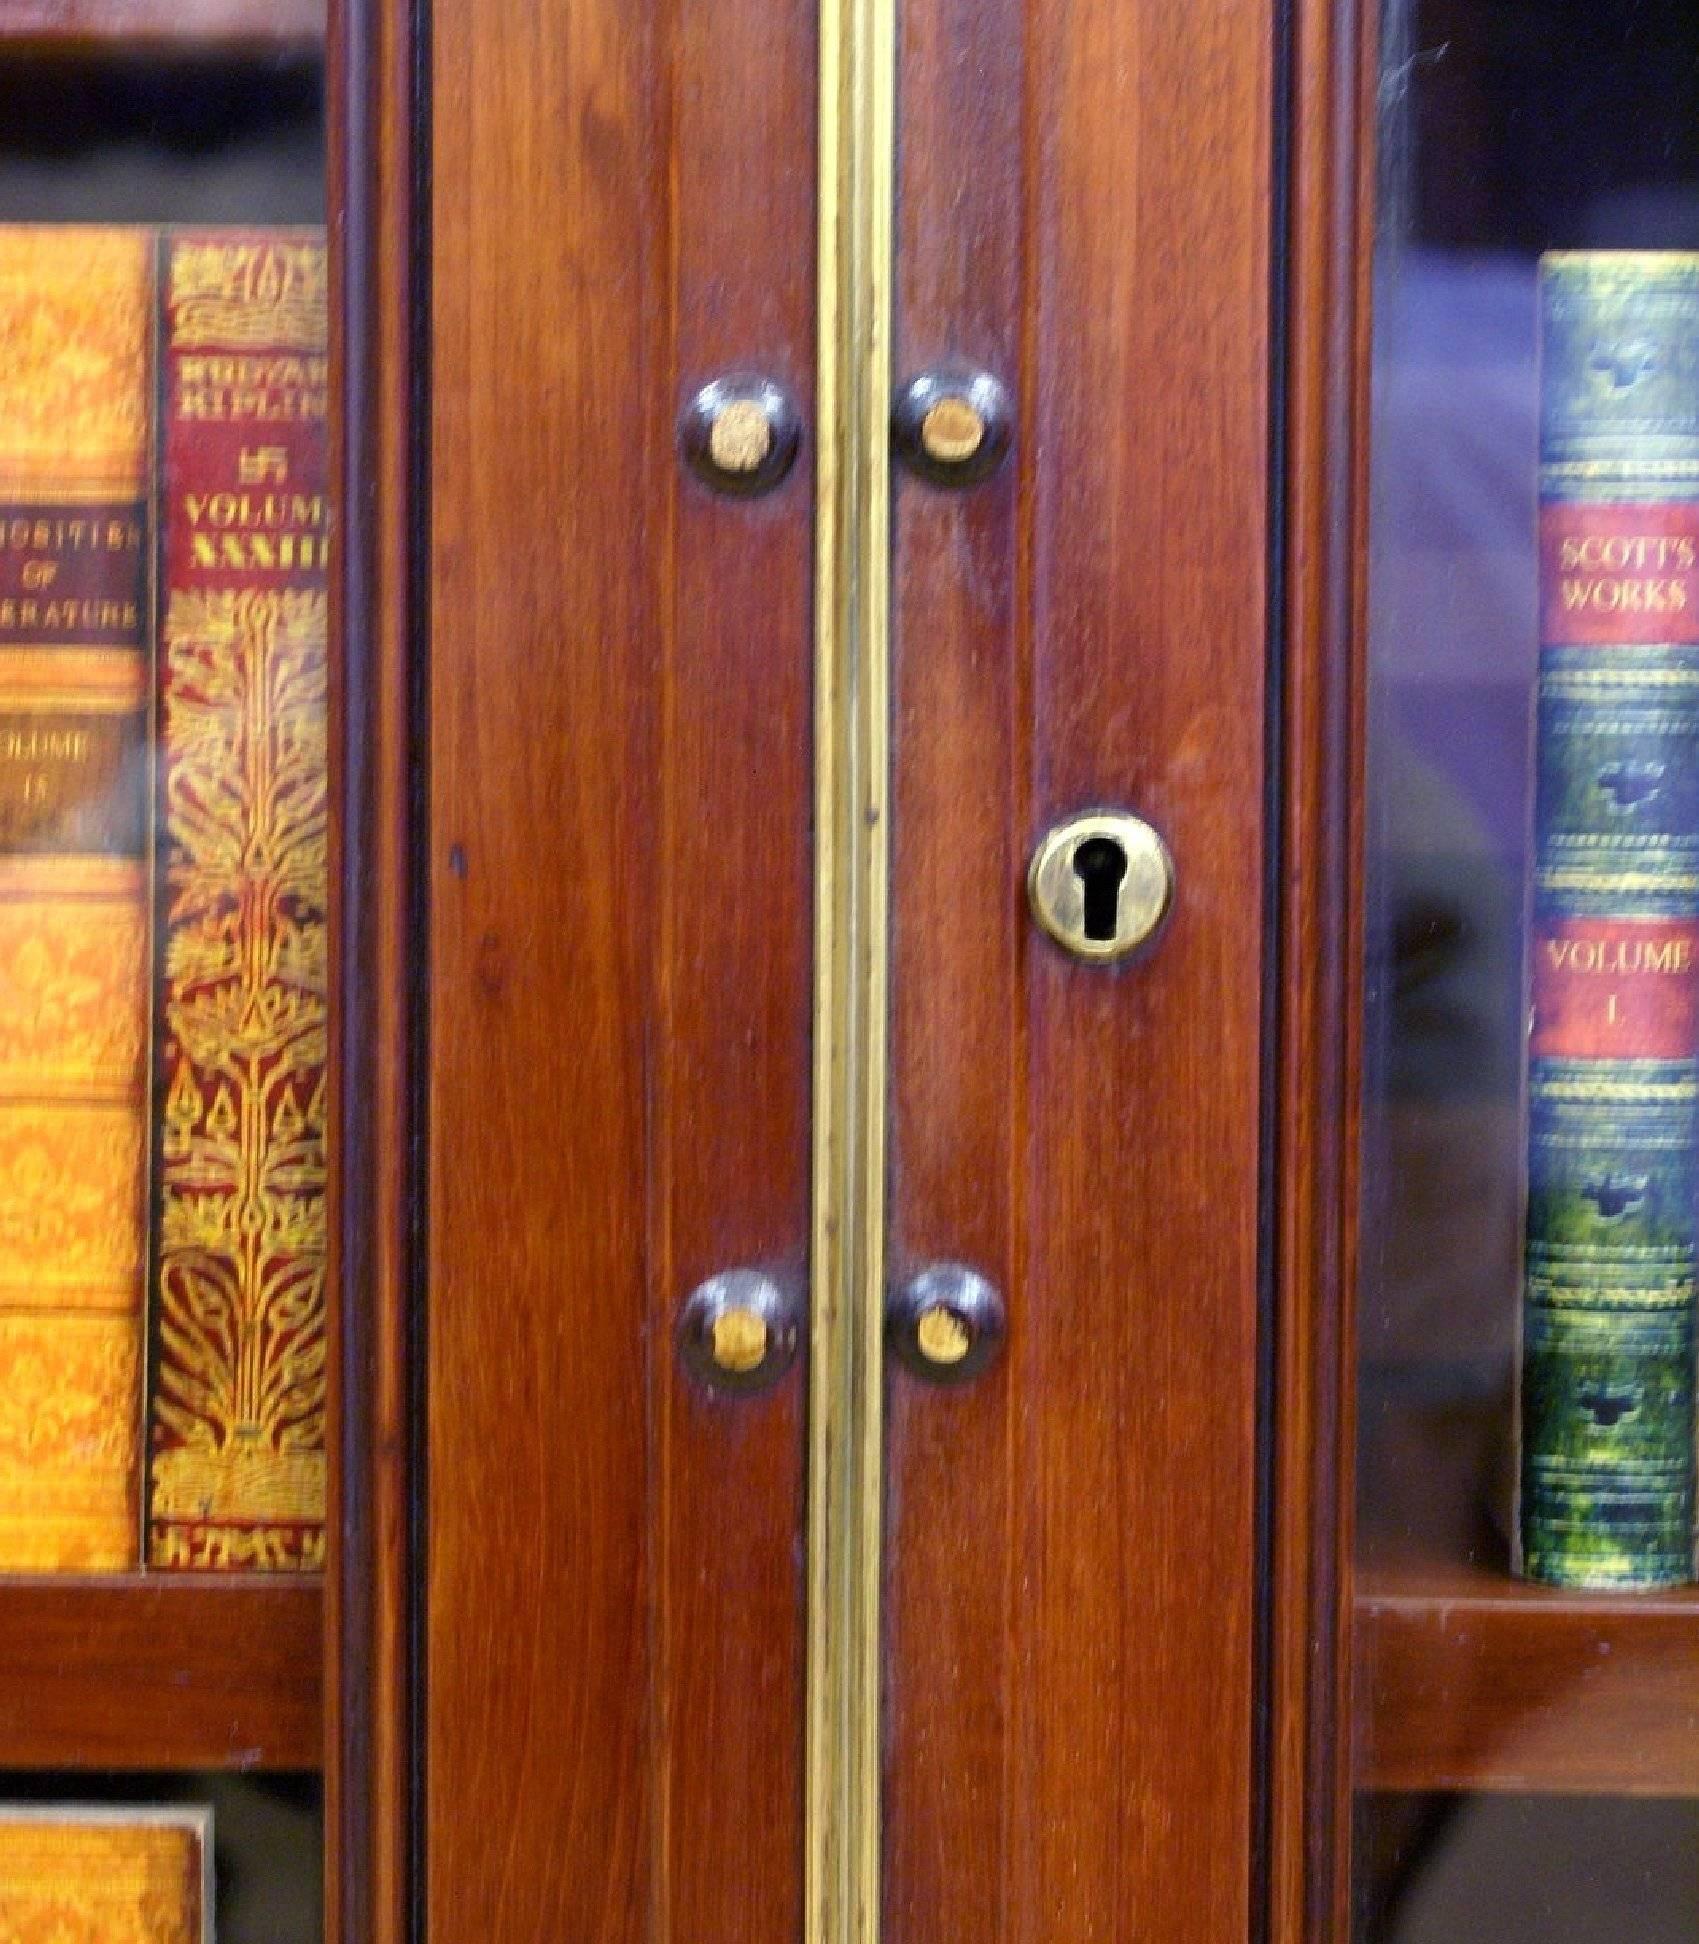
73	574
1615	989
1615	575
245	460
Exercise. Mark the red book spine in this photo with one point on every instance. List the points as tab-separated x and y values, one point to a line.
236	1449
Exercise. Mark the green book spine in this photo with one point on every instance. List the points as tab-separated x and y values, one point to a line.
1607	1473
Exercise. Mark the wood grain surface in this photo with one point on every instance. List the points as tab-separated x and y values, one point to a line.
1467	1679
1329	209
961	723
377	742
149	1671
620	992
1071	1557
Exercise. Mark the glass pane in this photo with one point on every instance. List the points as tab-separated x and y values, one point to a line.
1525	1462
164	663
163	388
1441	1868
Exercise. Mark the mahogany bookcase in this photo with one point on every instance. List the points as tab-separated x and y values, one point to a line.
602	1652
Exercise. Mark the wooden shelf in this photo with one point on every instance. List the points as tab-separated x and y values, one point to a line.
158	1671
162	25
1469	1679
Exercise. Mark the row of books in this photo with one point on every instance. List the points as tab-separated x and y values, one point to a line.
163	841
163	881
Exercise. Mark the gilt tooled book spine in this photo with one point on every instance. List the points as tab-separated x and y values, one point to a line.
237	1405
71	1874
1607	1470
76	321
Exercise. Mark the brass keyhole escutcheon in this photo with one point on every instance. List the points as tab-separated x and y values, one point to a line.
1101	884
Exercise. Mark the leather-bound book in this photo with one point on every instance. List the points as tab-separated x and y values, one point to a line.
71	1874
237	1458
76	321
163	880
1607	1432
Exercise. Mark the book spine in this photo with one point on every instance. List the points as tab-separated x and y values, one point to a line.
75	1873
1607	1472
237	1387
75	351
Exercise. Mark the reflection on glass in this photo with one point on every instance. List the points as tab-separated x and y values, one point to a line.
164	529
1508	131
1439	1869
164	535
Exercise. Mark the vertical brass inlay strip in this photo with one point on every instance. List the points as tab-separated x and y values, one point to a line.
852	602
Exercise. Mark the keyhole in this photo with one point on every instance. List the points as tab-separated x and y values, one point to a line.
1100	864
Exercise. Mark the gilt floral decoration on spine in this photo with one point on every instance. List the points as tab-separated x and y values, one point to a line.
238	1467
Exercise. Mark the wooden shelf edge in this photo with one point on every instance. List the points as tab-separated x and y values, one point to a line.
1470	1680
157	1671
179	26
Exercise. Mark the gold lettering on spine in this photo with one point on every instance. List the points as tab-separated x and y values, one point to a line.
1618	956
1626	552
75	332
1623	596
1624	573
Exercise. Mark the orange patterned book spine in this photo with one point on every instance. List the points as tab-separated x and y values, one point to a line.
70	1875
76	322
237	1459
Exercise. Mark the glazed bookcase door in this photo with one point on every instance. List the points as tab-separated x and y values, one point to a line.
1523	1746
166	667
